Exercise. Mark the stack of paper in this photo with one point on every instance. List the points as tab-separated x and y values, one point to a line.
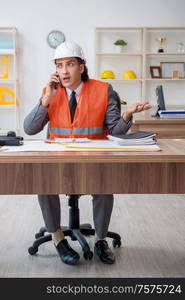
137	138
172	114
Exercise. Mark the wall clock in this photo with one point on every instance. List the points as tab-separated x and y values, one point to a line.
55	38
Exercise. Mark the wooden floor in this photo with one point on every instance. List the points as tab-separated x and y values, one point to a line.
152	229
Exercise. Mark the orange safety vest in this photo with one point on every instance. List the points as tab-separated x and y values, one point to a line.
89	115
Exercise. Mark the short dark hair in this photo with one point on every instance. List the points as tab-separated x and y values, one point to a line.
84	75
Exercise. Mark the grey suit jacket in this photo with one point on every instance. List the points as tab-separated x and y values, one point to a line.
38	117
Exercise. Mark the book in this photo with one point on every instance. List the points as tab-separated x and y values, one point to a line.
172	114
136	138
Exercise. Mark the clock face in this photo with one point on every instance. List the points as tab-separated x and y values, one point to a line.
55	38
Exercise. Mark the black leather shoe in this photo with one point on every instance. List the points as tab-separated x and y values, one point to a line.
66	253
103	251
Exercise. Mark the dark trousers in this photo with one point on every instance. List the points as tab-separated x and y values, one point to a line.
102	209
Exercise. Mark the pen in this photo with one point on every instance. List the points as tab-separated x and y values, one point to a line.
53	142
49	141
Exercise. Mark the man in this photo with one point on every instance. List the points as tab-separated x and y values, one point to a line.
75	105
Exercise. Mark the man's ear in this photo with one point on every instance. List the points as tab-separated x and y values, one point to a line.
81	68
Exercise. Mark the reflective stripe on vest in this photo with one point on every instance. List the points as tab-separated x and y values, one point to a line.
88	130
60	131
77	131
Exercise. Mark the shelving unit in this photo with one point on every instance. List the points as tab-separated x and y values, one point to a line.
9	113
140	53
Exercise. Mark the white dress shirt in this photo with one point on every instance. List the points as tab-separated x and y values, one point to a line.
77	91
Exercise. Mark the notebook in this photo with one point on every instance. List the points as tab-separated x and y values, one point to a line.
136	138
172	114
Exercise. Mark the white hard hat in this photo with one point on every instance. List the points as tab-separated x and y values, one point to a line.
68	49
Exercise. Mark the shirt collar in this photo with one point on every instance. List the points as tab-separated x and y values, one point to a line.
77	91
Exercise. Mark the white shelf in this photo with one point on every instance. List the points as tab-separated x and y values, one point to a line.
118	29
122	80
8	29
119	54
165	54
7	51
154	29
139	54
164	79
6	106
7	81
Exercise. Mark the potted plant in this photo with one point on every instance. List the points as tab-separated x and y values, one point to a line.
120	45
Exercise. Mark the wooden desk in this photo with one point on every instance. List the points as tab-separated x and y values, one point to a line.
95	172
165	128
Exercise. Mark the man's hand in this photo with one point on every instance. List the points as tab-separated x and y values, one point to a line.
136	107
50	90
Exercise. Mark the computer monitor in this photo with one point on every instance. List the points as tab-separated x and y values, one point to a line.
160	100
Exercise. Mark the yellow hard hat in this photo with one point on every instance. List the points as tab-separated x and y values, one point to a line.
129	75
107	74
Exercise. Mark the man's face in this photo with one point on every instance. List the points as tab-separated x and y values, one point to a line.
69	71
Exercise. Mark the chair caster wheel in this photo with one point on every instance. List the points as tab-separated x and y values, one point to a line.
116	243
39	234
32	250
88	255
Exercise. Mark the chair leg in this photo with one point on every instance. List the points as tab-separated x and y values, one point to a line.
87	231
43	239
87	253
41	232
116	242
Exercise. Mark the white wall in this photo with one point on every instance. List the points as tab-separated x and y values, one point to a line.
77	19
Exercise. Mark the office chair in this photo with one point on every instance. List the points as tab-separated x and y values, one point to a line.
74	230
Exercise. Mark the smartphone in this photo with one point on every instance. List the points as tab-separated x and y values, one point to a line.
55	84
